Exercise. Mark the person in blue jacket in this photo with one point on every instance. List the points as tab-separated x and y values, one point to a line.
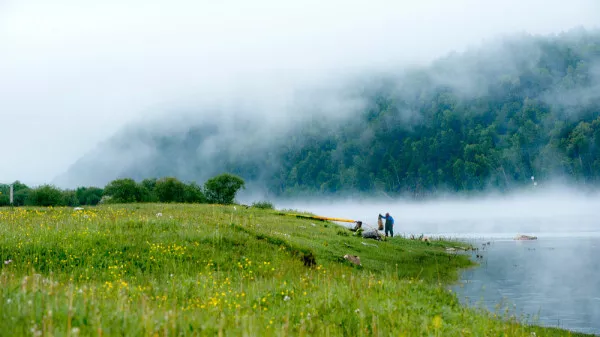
389	224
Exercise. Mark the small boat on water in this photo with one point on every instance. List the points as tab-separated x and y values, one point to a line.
525	237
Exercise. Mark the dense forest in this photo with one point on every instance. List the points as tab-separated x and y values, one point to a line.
490	117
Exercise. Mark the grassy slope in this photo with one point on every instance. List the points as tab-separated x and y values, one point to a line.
205	270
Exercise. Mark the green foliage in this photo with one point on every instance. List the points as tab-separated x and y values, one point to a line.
121	270
263	205
20	197
487	118
4	195
124	191
170	189
89	195
417	135
193	193
20	191
223	188
148	187
343	232
70	198
46	195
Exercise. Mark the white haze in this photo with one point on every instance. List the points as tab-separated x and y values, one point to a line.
72	73
545	211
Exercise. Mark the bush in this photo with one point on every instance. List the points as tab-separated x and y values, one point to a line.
123	191
223	188
20	197
89	195
170	189
193	194
70	198
45	195
263	205
148	188
4	195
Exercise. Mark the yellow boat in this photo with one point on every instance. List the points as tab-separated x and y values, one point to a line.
317	217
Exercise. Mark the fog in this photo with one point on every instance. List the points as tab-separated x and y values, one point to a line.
73	73
543	211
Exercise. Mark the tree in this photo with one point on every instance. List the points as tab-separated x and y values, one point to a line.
193	194
148	187
170	189
20	191
20	196
4	195
45	195
89	195
223	188
70	198
123	191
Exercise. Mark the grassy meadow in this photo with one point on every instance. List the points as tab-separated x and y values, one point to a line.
204	270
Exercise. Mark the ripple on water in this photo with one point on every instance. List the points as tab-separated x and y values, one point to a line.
554	281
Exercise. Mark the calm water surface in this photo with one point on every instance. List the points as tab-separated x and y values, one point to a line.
554	281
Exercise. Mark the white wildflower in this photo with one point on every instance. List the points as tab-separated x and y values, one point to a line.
286	298
357	311
158	215
8	262
9	301
34	331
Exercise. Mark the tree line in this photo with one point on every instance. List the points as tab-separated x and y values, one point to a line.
470	122
220	189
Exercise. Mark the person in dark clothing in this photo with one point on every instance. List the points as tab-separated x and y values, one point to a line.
389	224
357	227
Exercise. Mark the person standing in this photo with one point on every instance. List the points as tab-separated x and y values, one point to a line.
389	224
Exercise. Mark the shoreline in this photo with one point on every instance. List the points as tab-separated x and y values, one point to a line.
270	270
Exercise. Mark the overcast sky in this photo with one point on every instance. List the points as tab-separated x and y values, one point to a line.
73	72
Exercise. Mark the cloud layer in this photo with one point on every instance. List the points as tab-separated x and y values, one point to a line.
74	73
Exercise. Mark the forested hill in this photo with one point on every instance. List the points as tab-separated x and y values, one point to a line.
491	117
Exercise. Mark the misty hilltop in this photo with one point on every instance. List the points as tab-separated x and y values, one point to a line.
490	117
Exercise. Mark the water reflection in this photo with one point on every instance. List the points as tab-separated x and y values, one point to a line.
553	281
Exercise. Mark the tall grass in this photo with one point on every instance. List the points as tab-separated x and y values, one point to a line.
195	270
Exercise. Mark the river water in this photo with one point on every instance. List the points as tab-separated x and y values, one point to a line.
553	281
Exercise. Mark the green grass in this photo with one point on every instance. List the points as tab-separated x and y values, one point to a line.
209	270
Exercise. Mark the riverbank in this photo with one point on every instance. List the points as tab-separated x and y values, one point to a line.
203	269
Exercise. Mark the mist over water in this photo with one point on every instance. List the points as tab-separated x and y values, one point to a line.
556	211
553	281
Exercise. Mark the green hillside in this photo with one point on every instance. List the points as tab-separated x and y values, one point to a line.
490	117
205	270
